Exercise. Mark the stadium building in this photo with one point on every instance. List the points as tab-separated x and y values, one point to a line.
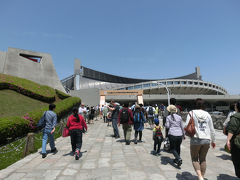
95	87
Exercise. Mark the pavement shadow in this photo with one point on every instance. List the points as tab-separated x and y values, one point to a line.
47	151
226	177
69	154
225	157
72	154
121	140
167	160
148	128
186	176
110	135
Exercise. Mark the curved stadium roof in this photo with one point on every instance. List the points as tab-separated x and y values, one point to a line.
188	84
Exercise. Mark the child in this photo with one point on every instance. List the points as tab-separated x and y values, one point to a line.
109	117
157	136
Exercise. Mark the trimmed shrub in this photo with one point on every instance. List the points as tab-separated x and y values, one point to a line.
27	87
13	127
61	94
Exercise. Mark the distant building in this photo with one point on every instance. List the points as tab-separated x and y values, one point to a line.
86	83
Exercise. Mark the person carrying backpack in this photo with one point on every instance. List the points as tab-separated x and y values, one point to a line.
50	119
138	120
157	136
125	118
150	115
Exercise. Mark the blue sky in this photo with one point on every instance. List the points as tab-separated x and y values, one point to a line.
132	38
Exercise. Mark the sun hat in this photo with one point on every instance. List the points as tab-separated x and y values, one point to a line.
172	109
137	106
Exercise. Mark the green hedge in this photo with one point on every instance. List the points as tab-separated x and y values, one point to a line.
27	87
13	127
61	94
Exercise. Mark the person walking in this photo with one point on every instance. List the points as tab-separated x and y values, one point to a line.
200	142
176	133
83	111
105	111
76	125
233	138
50	118
114	115
125	118
225	124
150	115
157	137
138	120
91	115
156	113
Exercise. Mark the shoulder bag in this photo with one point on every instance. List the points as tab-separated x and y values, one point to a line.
190	129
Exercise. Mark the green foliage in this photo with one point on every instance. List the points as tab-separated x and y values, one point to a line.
8	158
61	94
13	127
14	104
27	87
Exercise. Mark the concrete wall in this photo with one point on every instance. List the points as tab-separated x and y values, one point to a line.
89	97
2	60
43	73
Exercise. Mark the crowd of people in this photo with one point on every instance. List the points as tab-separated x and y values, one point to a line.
137	117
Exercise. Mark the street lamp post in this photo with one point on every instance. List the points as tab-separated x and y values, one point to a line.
168	94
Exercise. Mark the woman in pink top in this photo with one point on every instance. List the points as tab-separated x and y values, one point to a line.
76	125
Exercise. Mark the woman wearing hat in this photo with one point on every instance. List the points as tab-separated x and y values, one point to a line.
138	120
175	133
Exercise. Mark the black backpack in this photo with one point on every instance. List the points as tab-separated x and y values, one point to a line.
124	116
150	111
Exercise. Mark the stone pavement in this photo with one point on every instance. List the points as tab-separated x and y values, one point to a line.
106	158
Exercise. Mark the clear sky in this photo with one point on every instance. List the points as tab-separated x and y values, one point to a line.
133	38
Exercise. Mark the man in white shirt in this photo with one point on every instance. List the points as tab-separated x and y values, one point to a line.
150	115
83	111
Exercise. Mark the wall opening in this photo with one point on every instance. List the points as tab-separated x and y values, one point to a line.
36	59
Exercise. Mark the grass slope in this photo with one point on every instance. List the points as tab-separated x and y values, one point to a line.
16	104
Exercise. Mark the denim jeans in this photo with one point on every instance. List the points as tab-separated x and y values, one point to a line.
47	134
115	127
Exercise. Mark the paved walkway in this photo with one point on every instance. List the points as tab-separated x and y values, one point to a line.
105	158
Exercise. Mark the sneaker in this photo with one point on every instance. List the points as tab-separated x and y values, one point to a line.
127	142
44	155
135	142
54	150
77	155
153	152
175	161
179	163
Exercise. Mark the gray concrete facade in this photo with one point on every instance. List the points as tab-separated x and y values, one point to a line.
43	72
89	97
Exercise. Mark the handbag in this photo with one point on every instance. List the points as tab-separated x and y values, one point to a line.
190	129
65	132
